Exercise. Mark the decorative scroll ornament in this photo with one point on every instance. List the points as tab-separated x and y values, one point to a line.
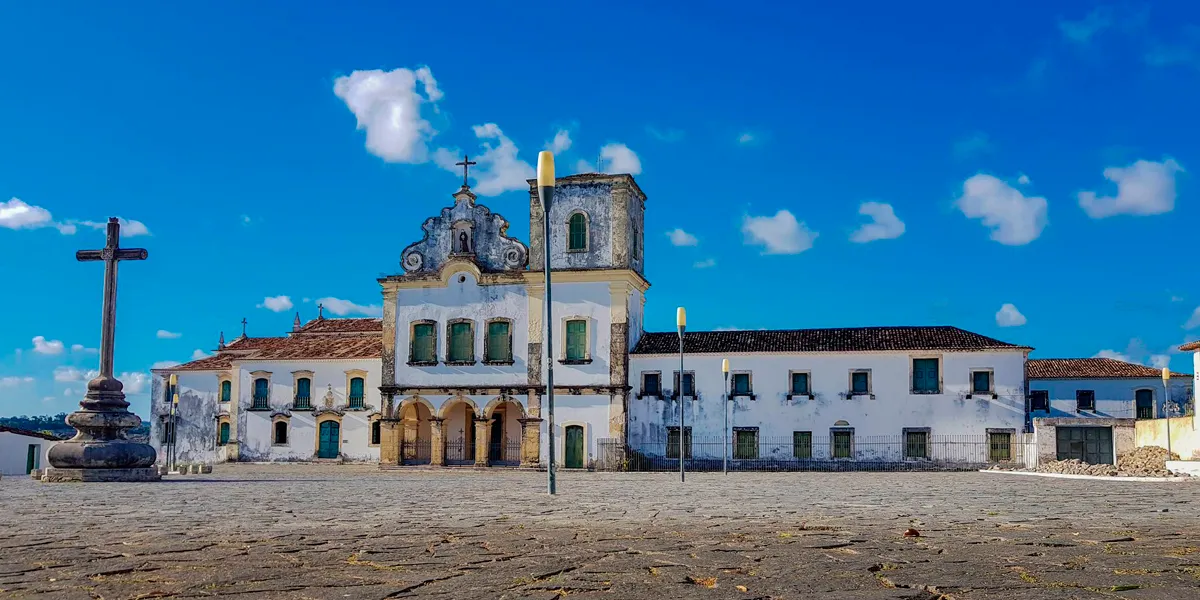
413	261
514	256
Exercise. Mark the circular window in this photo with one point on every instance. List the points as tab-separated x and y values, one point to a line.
462	278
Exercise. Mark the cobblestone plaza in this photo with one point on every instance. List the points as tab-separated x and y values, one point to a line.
306	531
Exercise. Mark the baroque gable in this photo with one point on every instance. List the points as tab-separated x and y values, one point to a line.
465	231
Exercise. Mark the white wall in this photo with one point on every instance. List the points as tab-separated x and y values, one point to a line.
14	452
195	421
1115	398
892	409
590	412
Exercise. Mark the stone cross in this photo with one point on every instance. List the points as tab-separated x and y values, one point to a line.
466	164
243	326
100	451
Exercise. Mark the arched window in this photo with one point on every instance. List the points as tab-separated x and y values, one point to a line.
223	433
376	432
226	390
356	392
262	388
577	232
303	399
281	432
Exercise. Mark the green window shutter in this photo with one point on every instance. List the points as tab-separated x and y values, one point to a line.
577	230
741	383
802	444
981	382
461	342
423	344
224	433
859	383
576	340
800	383
925	375
356	392
226	391
499	342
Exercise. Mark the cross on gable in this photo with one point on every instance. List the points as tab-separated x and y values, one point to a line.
111	254
466	164
243	326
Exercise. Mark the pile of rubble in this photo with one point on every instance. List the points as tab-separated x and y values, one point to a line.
1147	461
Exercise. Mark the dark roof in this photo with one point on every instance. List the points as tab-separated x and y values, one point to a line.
1090	368
1190	346
212	363
368	325
36	434
847	339
322	346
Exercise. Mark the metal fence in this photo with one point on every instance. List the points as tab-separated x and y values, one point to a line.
505	453
916	451
416	452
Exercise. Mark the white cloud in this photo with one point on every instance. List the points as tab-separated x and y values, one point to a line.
1137	352
618	158
1143	188
276	303
198	354
345	307
246	220
43	346
14	381
1014	219
680	237
1023	179
1159	361
74	374
780	234
561	142
499	170
1193	321
387	105
164	364
1082	31
163	334
705	264
747	138
81	349
884	225
1113	354
665	135
68	392
1009	316
16	214
1176	298
973	145
129	228
134	382
583	166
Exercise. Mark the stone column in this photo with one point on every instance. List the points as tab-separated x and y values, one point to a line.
389	442
483	431
531	441
437	444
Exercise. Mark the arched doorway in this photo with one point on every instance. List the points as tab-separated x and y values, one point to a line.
573	449
329	439
504	433
459	434
416	432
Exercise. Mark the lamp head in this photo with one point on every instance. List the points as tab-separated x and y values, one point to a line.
1166	375
175	399
725	366
174	379
681	317
545	178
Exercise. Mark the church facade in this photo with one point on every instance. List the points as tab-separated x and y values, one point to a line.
452	374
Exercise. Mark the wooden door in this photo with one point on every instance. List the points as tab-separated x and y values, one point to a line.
574	447
330	440
33	459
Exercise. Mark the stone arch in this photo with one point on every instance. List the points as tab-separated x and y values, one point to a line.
453	401
411	400
499	400
414	430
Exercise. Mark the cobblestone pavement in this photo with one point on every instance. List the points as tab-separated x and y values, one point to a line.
306	531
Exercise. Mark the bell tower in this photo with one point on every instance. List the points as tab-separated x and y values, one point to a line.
597	221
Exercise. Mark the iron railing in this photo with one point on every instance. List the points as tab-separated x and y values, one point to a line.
837	452
416	452
302	402
460	452
355	400
260	403
504	453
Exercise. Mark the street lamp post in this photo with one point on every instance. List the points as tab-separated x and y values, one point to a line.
172	382
681	322
545	181
1166	377
725	413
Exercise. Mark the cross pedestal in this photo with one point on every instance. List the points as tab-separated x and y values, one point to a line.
100	451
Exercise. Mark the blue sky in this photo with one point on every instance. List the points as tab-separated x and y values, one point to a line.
1037	155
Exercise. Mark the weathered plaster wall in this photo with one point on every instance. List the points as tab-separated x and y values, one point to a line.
14	452
487	237
892	409
196	417
1114	397
1046	434
591	412
589	301
1185	435
595	200
637	309
255	427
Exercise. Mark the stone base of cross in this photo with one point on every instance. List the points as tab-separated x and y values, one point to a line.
100	451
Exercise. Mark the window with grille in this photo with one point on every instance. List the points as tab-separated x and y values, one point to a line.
226	390
1144	400
424	344
577	232
262	390
462	343
745	443
860	382
999	446
1039	400
499	342
689	384
741	384
576	339
355	397
916	444
800	384
651	384
1085	400
925	376
376	432
842	443
981	382
673	442
802	444
281	432
303	399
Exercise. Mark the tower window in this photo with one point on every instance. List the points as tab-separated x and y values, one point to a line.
577	232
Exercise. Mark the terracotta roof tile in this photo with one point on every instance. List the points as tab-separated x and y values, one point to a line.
322	346
1190	346
849	339
216	362
342	326
1090	368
